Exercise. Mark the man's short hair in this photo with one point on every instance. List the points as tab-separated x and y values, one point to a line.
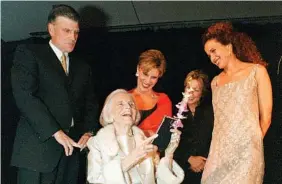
64	11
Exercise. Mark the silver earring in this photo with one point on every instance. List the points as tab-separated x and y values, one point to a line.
136	74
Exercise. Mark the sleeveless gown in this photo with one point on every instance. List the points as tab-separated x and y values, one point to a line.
236	154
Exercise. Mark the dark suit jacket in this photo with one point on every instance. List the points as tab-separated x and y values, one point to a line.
48	99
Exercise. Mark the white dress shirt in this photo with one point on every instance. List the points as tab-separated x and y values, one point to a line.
59	54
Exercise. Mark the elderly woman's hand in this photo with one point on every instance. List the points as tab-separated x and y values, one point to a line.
139	153
174	142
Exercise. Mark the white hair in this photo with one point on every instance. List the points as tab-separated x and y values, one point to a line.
106	117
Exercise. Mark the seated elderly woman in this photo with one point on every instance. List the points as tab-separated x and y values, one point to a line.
120	153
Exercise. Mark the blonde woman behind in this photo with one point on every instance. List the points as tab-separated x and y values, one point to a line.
194	145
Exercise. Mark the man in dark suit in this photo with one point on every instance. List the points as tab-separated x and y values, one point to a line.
54	94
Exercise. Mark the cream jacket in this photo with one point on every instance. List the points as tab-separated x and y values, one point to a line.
104	162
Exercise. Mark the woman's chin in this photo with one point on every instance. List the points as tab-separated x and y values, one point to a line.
145	89
128	122
192	102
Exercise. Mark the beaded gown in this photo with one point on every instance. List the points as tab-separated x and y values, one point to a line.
236	153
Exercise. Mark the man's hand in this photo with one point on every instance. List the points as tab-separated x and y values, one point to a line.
66	142
197	163
83	140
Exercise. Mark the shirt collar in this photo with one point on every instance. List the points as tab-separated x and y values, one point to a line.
57	51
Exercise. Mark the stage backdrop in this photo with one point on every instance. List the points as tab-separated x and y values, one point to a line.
113	58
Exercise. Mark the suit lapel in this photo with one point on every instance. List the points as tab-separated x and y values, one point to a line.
48	55
55	62
71	70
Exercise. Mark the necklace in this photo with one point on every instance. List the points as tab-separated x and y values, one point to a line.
152	95
233	73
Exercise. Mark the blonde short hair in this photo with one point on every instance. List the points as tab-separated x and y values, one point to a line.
106	117
152	59
198	75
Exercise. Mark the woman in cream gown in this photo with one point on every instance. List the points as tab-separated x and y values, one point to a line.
242	102
120	153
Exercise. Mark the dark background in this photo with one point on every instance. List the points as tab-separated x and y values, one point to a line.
113	57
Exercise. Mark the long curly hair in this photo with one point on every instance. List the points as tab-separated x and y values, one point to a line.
244	47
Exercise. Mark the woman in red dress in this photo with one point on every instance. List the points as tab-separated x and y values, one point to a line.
152	105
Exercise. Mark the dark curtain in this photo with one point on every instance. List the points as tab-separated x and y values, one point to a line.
113	57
